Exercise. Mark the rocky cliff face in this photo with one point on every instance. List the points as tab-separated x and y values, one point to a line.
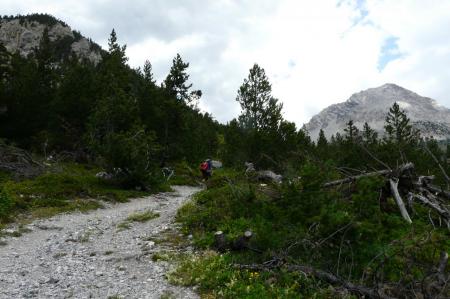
23	34
372	105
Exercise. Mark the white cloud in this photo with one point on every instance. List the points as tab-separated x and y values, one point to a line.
316	53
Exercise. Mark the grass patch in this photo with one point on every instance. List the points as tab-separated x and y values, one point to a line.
68	187
171	238
163	256
142	216
15	233
81	205
216	278
168	295
137	217
123	226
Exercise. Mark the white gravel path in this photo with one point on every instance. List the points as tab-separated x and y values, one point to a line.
86	256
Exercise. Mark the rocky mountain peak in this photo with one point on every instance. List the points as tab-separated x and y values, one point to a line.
22	34
372	105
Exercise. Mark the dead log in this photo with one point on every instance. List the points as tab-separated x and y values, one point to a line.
443	262
442	211
18	161
424	180
322	275
438	190
447	179
398	200
356	177
396	172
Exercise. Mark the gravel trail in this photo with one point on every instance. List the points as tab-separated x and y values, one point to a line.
87	256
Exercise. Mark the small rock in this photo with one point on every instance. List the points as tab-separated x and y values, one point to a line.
23	273
52	280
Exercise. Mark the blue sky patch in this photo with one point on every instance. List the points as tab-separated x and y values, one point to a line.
389	52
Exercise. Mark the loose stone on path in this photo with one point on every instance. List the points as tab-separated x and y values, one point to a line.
86	256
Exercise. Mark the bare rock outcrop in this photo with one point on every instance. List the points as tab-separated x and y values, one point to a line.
23	34
372	106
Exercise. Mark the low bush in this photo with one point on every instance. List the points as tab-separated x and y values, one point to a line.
6	204
218	279
341	231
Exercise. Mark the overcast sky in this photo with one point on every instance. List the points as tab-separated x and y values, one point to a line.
315	52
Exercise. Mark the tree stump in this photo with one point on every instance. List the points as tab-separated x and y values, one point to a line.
220	241
242	242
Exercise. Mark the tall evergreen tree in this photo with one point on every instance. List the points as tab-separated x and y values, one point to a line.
398	128
322	141
176	82
369	135
260	110
115	131
148	73
73	105
351	132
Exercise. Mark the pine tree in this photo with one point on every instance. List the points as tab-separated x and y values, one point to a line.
115	131
176	82
148	73
398	128
46	79
322	141
260	110
351	132
369	135
72	105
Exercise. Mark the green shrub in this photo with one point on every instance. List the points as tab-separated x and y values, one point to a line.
63	189
342	230
6	204
185	174
217	278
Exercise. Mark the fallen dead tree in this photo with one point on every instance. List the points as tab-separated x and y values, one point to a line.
18	161
403	182
319	274
434	287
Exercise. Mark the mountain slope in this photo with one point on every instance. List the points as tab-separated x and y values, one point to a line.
22	34
372	105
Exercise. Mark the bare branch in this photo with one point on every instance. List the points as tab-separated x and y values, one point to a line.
398	200
447	179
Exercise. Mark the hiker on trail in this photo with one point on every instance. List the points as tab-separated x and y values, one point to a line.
209	170
206	169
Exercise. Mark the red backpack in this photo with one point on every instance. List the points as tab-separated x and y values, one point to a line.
204	166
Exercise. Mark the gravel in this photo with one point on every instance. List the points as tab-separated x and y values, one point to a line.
87	256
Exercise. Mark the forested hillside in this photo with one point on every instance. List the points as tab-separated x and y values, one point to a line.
355	215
